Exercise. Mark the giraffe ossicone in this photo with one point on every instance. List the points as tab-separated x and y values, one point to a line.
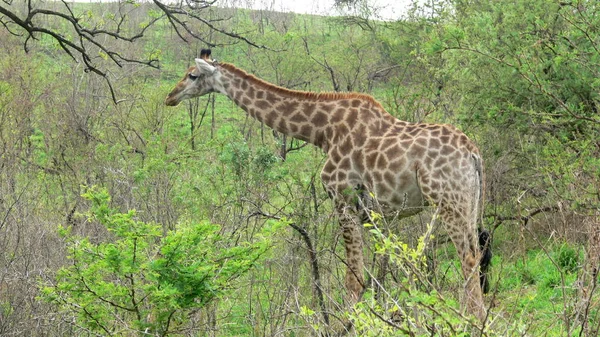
403	164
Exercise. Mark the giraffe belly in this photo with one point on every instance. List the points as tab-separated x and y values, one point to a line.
402	199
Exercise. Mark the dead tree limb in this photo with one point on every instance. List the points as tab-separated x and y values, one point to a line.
312	253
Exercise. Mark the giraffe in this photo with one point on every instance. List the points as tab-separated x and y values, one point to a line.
407	166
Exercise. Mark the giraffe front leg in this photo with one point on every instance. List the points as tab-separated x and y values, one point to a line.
351	232
344	195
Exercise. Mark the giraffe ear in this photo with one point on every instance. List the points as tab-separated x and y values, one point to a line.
204	67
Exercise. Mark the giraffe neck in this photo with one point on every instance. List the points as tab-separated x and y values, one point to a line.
318	118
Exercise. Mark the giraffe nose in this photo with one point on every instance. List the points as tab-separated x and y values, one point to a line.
171	100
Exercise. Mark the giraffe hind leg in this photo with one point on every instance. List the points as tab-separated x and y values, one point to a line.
465	239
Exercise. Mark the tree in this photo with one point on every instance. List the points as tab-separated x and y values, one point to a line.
91	39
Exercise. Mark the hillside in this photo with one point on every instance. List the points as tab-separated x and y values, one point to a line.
134	218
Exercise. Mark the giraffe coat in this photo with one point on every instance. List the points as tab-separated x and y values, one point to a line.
402	166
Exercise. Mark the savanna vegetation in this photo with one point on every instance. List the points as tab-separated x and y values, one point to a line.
122	217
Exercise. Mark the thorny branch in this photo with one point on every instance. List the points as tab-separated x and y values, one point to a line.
92	43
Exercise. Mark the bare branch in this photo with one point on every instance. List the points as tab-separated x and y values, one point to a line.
524	218
312	253
84	42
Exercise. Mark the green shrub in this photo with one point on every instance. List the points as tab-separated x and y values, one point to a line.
567	258
144	280
413	306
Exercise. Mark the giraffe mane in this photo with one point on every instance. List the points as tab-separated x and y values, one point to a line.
300	94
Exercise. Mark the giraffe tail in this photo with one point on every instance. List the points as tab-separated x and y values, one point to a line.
485	244
485	237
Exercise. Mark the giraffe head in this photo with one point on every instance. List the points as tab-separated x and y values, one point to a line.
199	80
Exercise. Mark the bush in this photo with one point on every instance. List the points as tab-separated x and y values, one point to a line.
567	258
413	306
145	280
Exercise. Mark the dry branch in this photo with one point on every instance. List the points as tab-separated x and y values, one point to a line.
312	253
524	219
83	43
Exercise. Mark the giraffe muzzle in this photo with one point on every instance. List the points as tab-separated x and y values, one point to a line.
171	100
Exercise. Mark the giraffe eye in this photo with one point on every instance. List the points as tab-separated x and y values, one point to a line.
192	77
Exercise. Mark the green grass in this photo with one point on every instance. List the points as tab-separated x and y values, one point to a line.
535	291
